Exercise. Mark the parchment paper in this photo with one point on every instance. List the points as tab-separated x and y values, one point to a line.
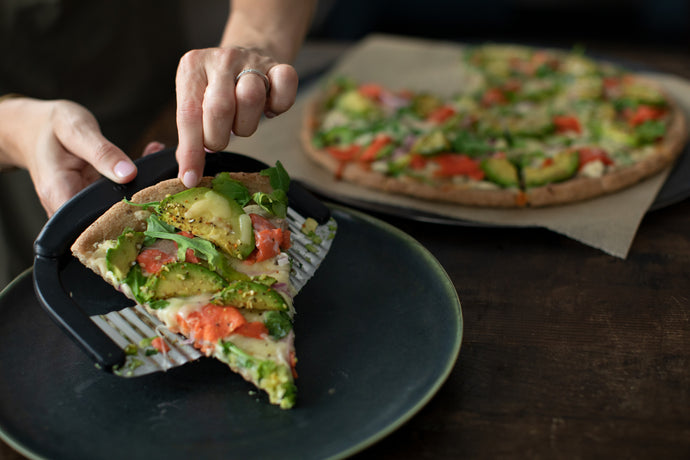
607	223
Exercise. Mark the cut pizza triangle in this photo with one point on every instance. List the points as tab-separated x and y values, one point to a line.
209	263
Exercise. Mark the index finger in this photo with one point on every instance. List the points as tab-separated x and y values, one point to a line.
190	84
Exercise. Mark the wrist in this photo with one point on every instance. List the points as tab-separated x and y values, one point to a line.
12	124
277	28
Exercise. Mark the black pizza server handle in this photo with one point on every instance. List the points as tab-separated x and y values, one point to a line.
58	303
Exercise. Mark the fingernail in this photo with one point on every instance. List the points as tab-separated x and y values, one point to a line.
207	150
270	114
124	169
189	179
157	146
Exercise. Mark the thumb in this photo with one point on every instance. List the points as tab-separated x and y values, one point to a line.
79	134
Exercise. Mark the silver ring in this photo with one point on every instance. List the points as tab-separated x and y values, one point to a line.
267	83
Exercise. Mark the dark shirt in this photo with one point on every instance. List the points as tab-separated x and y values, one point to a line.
116	57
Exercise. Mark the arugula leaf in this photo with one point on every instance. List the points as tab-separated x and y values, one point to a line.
159	304
157	229
650	131
136	280
470	144
279	178
231	188
278	324
202	248
154	224
274	203
155	205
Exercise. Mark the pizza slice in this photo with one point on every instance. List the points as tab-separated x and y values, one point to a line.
210	263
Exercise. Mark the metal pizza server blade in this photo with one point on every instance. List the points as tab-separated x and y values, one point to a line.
133	328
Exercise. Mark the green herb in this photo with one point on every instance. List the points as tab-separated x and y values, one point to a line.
624	103
157	229
278	324
274	203
470	144
243	358
146	342
650	131
279	178
159	304
136	281
231	188
131	349
155	205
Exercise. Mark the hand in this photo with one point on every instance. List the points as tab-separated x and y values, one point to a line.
61	145
210	106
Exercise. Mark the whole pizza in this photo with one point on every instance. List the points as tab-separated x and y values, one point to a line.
529	127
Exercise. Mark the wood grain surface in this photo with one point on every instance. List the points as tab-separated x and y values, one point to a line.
567	352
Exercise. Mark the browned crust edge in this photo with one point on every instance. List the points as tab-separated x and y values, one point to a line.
571	191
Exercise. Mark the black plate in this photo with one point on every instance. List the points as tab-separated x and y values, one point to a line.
379	306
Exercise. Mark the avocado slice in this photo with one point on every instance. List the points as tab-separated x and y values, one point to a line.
252	295
501	171
211	216
119	258
643	93
182	279
564	166
433	142
356	104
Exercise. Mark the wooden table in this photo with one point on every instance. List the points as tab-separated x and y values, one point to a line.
567	352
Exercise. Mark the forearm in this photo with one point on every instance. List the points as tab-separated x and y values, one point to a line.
275	26
10	126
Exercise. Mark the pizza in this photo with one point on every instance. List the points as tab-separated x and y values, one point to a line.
210	263
526	127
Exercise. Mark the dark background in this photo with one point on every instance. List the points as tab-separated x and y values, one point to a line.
647	22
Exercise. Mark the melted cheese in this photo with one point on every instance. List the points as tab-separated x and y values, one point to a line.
593	169
213	204
182	306
99	262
